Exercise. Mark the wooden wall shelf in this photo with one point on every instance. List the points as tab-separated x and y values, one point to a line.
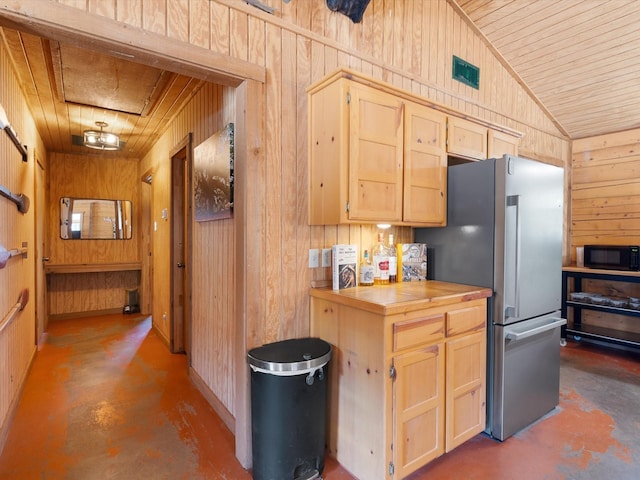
91	267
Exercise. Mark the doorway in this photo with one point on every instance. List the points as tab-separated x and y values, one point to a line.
181	247
81	28
41	256
146	237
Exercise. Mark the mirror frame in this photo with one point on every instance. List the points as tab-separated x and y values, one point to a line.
116	214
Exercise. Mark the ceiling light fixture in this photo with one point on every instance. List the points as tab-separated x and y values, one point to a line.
101	140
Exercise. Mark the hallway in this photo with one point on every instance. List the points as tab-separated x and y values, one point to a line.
105	400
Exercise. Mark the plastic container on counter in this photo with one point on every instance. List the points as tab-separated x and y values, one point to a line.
588	297
618	302
597	299
579	297
634	305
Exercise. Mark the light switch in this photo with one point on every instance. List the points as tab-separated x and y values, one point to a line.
326	257
313	257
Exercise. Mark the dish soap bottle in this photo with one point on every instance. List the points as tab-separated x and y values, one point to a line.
366	270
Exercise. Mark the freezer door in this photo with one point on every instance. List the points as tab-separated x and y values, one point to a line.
526	376
529	210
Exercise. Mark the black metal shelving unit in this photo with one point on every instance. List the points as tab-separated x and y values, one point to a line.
575	327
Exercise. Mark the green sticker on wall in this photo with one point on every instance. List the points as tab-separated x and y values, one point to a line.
466	73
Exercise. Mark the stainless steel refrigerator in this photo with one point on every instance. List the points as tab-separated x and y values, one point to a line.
504	231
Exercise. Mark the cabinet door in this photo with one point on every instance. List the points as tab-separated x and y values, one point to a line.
375	155
418	406
466	138
499	144
328	154
425	166
466	396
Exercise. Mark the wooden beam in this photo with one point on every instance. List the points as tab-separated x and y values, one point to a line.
79	28
249	200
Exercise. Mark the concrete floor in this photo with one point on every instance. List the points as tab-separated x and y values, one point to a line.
105	400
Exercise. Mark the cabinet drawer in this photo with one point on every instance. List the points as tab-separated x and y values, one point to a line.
466	320
411	333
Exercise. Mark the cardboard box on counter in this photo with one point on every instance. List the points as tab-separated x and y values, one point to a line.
412	262
344	265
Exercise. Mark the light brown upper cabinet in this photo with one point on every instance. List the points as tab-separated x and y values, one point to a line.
378	154
374	157
425	165
500	143
466	139
375	132
474	141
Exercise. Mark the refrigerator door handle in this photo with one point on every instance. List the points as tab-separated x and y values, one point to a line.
517	336
514	310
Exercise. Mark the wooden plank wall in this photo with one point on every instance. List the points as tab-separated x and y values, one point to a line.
605	190
81	294
406	43
605	209
213	266
91	176
17	339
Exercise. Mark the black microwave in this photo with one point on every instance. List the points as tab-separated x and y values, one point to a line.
612	257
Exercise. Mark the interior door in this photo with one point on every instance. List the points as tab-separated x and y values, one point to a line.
40	222
180	248
146	232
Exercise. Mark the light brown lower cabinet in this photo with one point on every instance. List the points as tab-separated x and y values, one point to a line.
465	388
418	408
404	388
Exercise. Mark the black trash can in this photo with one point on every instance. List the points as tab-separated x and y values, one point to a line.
289	408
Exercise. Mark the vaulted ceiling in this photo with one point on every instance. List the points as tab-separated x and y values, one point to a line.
578	57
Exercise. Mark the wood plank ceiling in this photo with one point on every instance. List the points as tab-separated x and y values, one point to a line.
579	57
70	89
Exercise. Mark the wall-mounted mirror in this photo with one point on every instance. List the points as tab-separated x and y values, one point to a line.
95	219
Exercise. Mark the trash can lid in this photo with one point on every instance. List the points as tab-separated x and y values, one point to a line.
290	357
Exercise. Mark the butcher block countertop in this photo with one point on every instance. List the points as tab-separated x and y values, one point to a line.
402	297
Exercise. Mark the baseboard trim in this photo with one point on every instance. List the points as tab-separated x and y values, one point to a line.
211	398
11	412
161	336
92	313
42	340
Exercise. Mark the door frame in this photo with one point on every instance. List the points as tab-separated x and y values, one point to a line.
40	238
102	34
181	212
146	247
